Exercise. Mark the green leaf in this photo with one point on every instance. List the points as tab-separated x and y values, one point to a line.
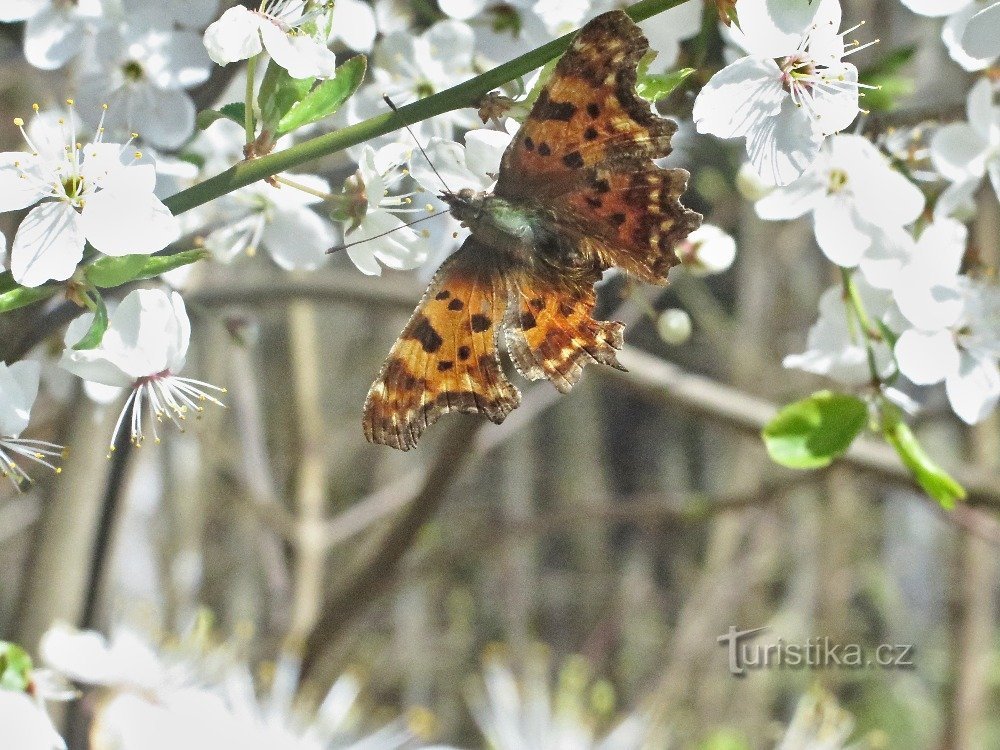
814	431
326	98
936	481
15	667
159	264
656	86
110	272
7	282
95	335
107	273
21	296
885	74
235	112
279	94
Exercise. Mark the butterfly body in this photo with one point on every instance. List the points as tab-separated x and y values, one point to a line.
577	193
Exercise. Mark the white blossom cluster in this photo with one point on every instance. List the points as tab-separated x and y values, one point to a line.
96	168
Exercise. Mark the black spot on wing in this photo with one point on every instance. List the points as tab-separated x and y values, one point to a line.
480	323
456	304
423	331
543	149
573	160
546	109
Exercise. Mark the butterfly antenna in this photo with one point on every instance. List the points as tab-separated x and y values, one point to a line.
415	140
338	248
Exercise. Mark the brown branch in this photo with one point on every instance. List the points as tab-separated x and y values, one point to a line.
375	574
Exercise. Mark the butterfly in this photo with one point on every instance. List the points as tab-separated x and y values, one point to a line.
577	193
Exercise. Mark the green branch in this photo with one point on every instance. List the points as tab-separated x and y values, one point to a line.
467	94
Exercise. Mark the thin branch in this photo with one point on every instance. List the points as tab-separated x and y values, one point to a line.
375	575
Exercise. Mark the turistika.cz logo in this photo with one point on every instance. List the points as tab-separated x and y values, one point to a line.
818	652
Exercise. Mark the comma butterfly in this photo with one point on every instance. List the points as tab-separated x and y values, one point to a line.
577	193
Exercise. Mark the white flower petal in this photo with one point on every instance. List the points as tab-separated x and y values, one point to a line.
400	250
952	33
974	388
926	358
984	115
463	10
792	200
52	37
982	36
483	150
117	222
17	191
25	724
48	245
448	158
941	248
354	24
20	10
177	59
890	250
302	56
835	110
783	146
840	233
935	7
958	152
235	36
18	389
773	28
958	200
740	98
298	238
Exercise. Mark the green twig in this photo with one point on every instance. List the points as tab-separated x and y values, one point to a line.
467	94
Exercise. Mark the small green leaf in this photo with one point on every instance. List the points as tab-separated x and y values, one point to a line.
235	112
21	296
280	93
935	480
95	335
160	264
326	98
656	86
814	431
107	273
15	667
110	272
885	74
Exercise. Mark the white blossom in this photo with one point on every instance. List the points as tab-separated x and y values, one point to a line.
96	192
854	197
707	250
376	233
279	219
835	346
954	323
963	152
982	35
474	165
143	72
980	50
55	30
143	349
25	724
788	93
525	715
18	389
287	29
406	67
674	326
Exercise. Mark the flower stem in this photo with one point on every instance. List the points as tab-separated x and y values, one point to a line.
856	306
467	94
248	123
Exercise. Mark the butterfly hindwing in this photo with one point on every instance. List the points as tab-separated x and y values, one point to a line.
446	358
551	332
632	220
587	114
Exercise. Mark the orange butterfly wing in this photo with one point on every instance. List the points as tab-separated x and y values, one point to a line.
446	358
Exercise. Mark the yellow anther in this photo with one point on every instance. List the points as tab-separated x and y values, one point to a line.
71	102
19	122
35	106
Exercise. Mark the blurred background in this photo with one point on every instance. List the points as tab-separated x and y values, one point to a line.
626	526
